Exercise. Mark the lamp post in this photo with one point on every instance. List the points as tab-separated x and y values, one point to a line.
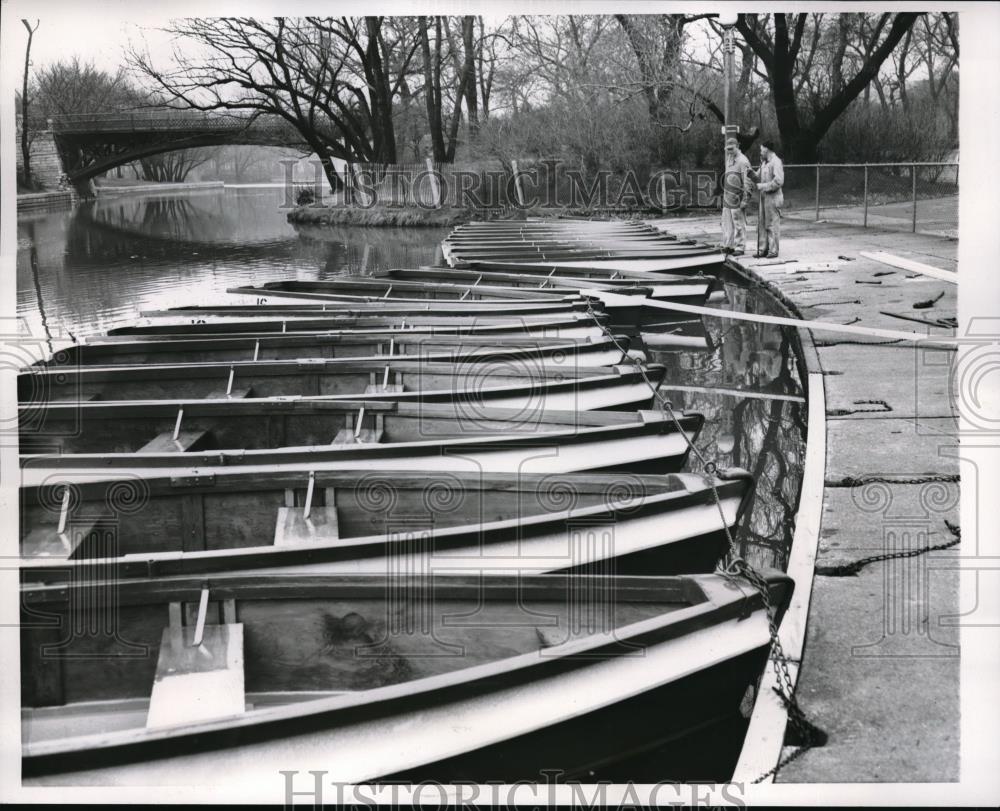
727	21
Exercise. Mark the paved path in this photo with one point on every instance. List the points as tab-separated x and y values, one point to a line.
935	217
880	672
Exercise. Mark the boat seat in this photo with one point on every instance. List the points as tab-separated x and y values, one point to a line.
46	541
238	393
378	388
294	528
165	442
366	436
198	683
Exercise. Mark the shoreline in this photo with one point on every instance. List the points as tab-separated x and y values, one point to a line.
890	486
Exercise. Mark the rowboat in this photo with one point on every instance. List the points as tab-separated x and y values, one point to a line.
400	309
428	348
250	321
180	522
689	289
185	322
516	254
325	676
704	262
625	308
523	383
343	292
363	290
368	435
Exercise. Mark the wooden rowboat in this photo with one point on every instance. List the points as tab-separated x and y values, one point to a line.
705	262
689	289
625	308
247	322
344	292
369	435
373	289
188	322
400	346
522	383
200	521
325	675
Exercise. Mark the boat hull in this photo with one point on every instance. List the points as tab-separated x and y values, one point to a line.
661	681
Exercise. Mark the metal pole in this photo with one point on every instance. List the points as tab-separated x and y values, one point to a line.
817	192
913	173
866	196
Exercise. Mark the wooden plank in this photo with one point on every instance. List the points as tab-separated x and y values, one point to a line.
198	683
292	527
42	665
193	522
165	442
911	265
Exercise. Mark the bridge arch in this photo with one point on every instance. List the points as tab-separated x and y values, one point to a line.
90	144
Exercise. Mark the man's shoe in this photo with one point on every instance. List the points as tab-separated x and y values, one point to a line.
759	255
772	256
737	253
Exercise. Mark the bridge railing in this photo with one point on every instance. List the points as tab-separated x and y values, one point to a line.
144	120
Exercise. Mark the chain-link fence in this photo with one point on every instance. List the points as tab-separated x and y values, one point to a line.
916	197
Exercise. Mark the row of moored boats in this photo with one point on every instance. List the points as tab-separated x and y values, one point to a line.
422	524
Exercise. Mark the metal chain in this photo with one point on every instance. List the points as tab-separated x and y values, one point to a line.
858	481
735	567
847	569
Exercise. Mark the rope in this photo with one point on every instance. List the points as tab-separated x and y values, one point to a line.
736	567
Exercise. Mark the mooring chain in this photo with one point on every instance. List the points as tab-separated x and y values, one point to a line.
858	481
736	566
855	566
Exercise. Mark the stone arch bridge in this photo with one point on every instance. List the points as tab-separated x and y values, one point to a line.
89	144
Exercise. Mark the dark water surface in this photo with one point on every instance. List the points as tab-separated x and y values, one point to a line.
85	270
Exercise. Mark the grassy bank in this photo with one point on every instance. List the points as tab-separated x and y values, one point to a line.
379	216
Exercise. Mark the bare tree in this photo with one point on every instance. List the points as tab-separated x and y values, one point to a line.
25	104
777	40
434	56
330	78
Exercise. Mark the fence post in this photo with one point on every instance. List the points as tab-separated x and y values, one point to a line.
866	196
913	173
434	183
817	192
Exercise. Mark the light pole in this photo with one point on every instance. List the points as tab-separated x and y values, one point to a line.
729	128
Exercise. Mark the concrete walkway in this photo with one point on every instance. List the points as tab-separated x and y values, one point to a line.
880	672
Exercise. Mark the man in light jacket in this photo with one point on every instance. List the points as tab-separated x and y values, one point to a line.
736	188
769	182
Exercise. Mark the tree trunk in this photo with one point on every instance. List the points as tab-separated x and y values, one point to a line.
25	142
380	95
469	74
432	95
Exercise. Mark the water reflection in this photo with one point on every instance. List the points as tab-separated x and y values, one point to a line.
749	389
86	270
